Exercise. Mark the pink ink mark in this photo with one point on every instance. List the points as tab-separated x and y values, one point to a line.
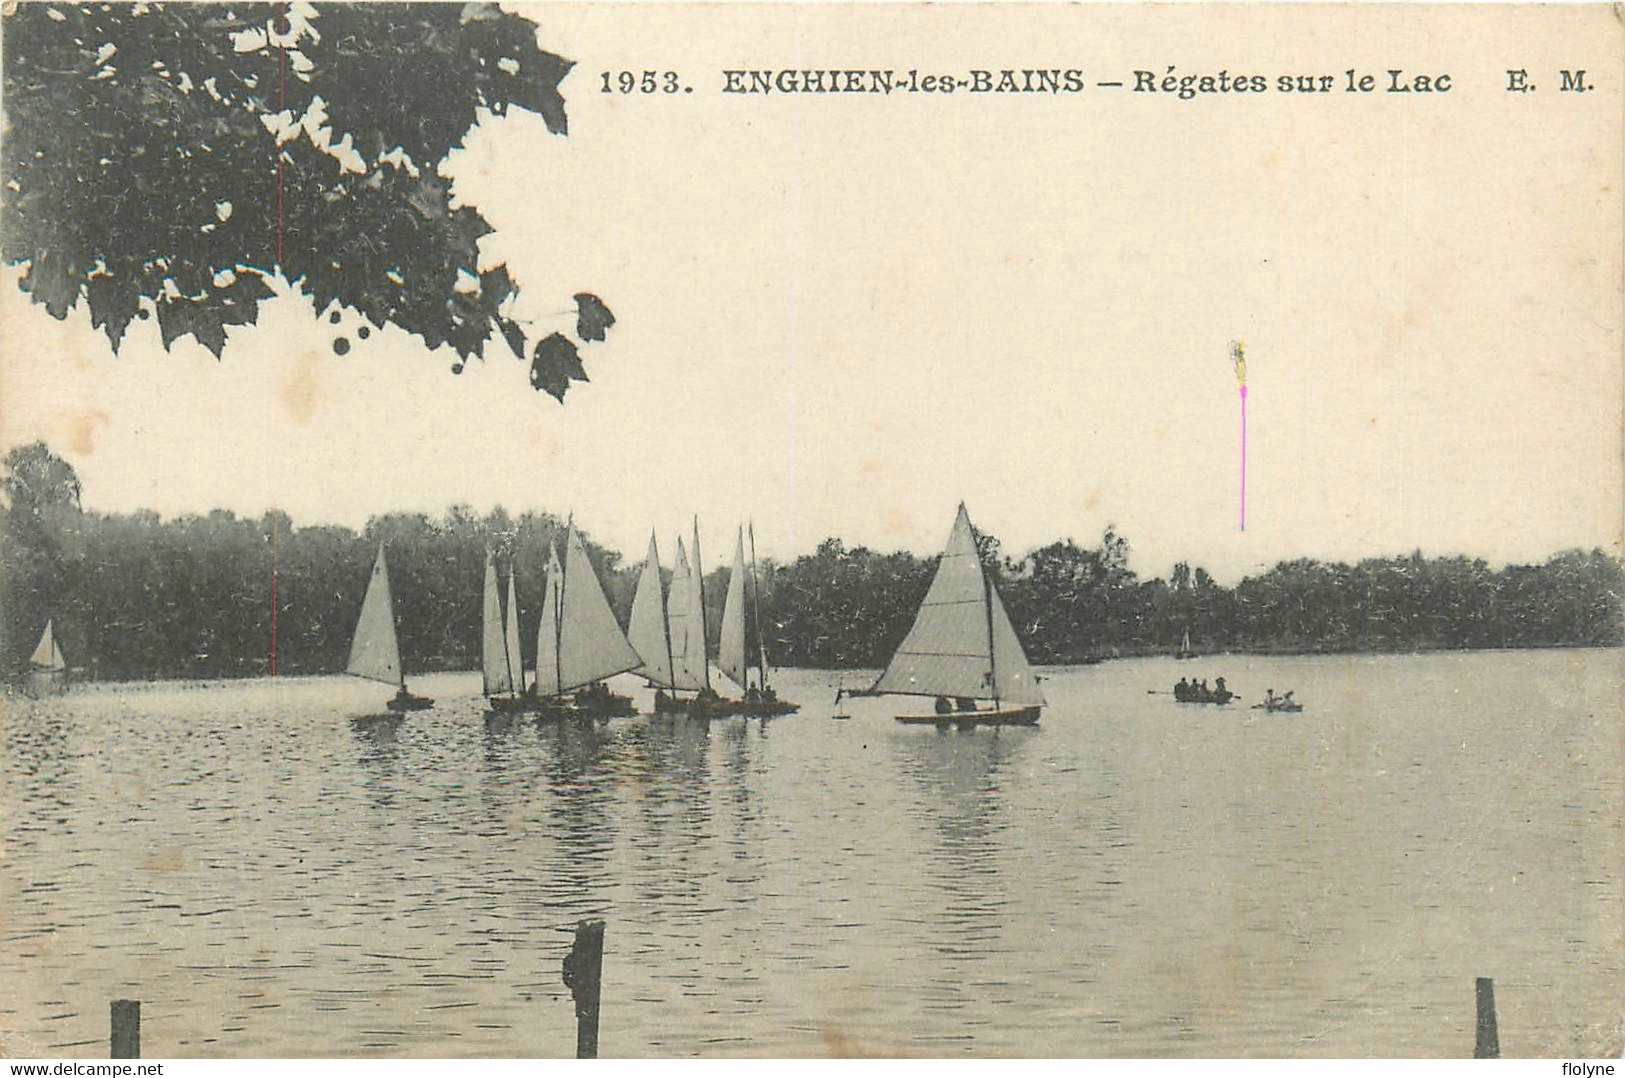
1244	456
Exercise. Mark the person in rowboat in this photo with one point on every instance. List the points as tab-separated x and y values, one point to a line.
944	705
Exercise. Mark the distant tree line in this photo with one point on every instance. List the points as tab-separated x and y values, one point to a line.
133	595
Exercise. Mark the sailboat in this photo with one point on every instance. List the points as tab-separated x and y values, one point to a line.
962	648
673	657
1185	651
502	668
732	655
375	651
48	665
579	643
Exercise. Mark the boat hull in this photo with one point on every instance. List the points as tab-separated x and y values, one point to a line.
1212	697
765	709
605	707
1009	716
511	705
400	704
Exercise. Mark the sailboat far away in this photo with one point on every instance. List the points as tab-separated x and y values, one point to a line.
578	642
375	651
501	664
1185	651
48	667
733	656
962	648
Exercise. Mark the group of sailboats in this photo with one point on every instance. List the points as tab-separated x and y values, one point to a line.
578	642
669	631
962	649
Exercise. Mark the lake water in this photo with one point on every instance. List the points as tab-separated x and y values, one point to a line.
1132	877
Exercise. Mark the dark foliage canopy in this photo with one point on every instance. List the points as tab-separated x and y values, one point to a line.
165	159
132	595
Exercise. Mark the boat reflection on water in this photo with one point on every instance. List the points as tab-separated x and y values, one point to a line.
962	800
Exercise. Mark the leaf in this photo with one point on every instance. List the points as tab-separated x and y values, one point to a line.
592	317
554	365
238	303
495	285
50	283
178	317
513	335
513	71
113	302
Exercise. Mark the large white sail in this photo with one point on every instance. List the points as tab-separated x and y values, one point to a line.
646	631
493	659
700	653
510	637
588	643
375	652
962	642
731	655
687	631
48	656
548	673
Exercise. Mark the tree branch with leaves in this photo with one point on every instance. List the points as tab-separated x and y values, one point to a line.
166	160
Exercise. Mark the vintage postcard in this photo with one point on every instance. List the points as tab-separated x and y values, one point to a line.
811	530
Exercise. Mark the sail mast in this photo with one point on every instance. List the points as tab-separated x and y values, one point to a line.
558	607
665	614
987	602
756	607
699	576
510	633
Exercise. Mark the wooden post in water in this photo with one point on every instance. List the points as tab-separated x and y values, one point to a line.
1489	1041
583	973
126	1039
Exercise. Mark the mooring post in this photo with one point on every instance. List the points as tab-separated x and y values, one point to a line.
1489	1041
583	973
126	1039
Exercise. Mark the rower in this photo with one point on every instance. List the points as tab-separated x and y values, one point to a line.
1269	698
944	705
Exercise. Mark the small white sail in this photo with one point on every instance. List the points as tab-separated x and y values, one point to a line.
588	644
493	660
646	631
512	656
731	656
375	652
687	632
1013	679
48	656
962	642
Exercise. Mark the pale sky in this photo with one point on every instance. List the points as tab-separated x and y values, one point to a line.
841	315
